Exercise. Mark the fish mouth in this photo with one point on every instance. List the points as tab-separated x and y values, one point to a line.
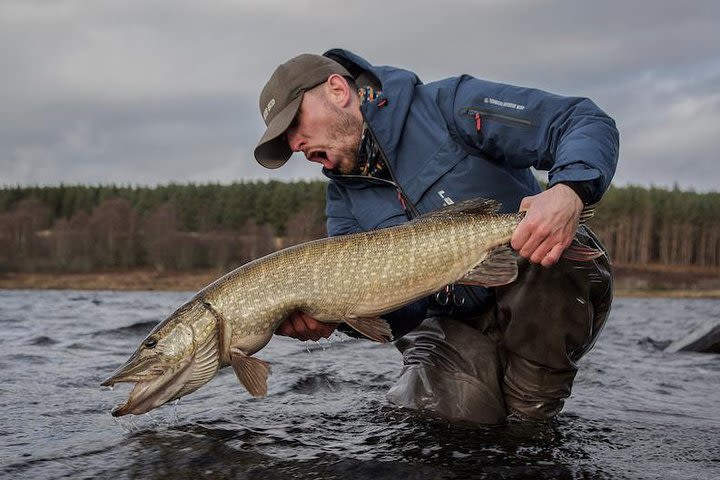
150	390
160	381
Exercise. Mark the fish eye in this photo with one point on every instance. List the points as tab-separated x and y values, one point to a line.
150	342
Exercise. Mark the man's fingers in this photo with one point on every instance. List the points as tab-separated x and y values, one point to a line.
540	252
307	327
315	330
541	243
524	229
520	236
292	326
549	251
553	256
281	330
525	204
304	327
326	330
285	328
300	327
533	236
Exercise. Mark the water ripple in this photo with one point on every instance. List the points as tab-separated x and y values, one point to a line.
136	329
42	341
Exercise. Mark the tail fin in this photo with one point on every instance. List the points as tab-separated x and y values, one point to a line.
578	252
587	213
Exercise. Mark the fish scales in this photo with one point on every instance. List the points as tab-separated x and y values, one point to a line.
359	275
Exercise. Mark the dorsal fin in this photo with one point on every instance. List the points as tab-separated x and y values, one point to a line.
486	206
475	206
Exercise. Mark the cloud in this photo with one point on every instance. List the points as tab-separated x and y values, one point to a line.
155	91
668	120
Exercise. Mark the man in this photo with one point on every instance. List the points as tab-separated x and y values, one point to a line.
394	148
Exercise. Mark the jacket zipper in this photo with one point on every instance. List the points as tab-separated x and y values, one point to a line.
480	114
407	205
410	209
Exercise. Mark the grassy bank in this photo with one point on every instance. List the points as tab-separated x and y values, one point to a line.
139	279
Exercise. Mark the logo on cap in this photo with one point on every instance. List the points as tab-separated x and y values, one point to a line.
269	107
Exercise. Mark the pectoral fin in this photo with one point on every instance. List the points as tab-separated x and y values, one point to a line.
499	267
374	328
252	372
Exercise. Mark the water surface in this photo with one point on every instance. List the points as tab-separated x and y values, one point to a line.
635	412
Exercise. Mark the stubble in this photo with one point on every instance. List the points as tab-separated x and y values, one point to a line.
345	133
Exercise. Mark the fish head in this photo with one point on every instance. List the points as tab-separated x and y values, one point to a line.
180	354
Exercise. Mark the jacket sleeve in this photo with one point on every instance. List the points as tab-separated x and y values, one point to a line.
570	137
340	220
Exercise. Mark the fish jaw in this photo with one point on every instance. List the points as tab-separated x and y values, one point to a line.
151	391
136	369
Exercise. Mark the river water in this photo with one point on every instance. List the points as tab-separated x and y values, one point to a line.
635	412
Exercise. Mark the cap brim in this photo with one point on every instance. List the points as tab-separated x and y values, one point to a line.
272	151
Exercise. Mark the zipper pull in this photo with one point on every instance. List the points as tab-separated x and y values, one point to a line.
404	205
478	122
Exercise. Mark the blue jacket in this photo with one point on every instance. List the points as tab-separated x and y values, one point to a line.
462	138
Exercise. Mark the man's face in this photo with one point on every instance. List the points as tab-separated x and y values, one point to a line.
326	133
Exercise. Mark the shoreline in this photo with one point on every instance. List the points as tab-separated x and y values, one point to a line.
630	281
128	280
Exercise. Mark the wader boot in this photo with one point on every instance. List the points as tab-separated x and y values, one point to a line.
519	356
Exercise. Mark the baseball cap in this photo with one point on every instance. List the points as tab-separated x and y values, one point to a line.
280	101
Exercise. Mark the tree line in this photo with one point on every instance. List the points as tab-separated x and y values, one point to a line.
85	228
673	227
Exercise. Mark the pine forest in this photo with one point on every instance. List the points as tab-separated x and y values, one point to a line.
183	227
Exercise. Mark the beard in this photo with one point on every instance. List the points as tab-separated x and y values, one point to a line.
345	134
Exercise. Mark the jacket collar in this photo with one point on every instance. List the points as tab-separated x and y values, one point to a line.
385	120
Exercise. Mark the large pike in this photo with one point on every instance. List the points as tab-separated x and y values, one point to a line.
353	279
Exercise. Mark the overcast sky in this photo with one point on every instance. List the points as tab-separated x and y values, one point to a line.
154	91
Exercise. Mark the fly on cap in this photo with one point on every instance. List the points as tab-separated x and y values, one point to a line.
280	102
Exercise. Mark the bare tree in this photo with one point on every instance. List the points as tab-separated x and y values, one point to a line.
161	237
113	226
306	224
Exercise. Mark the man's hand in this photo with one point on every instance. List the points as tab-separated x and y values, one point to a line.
304	327
549	224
